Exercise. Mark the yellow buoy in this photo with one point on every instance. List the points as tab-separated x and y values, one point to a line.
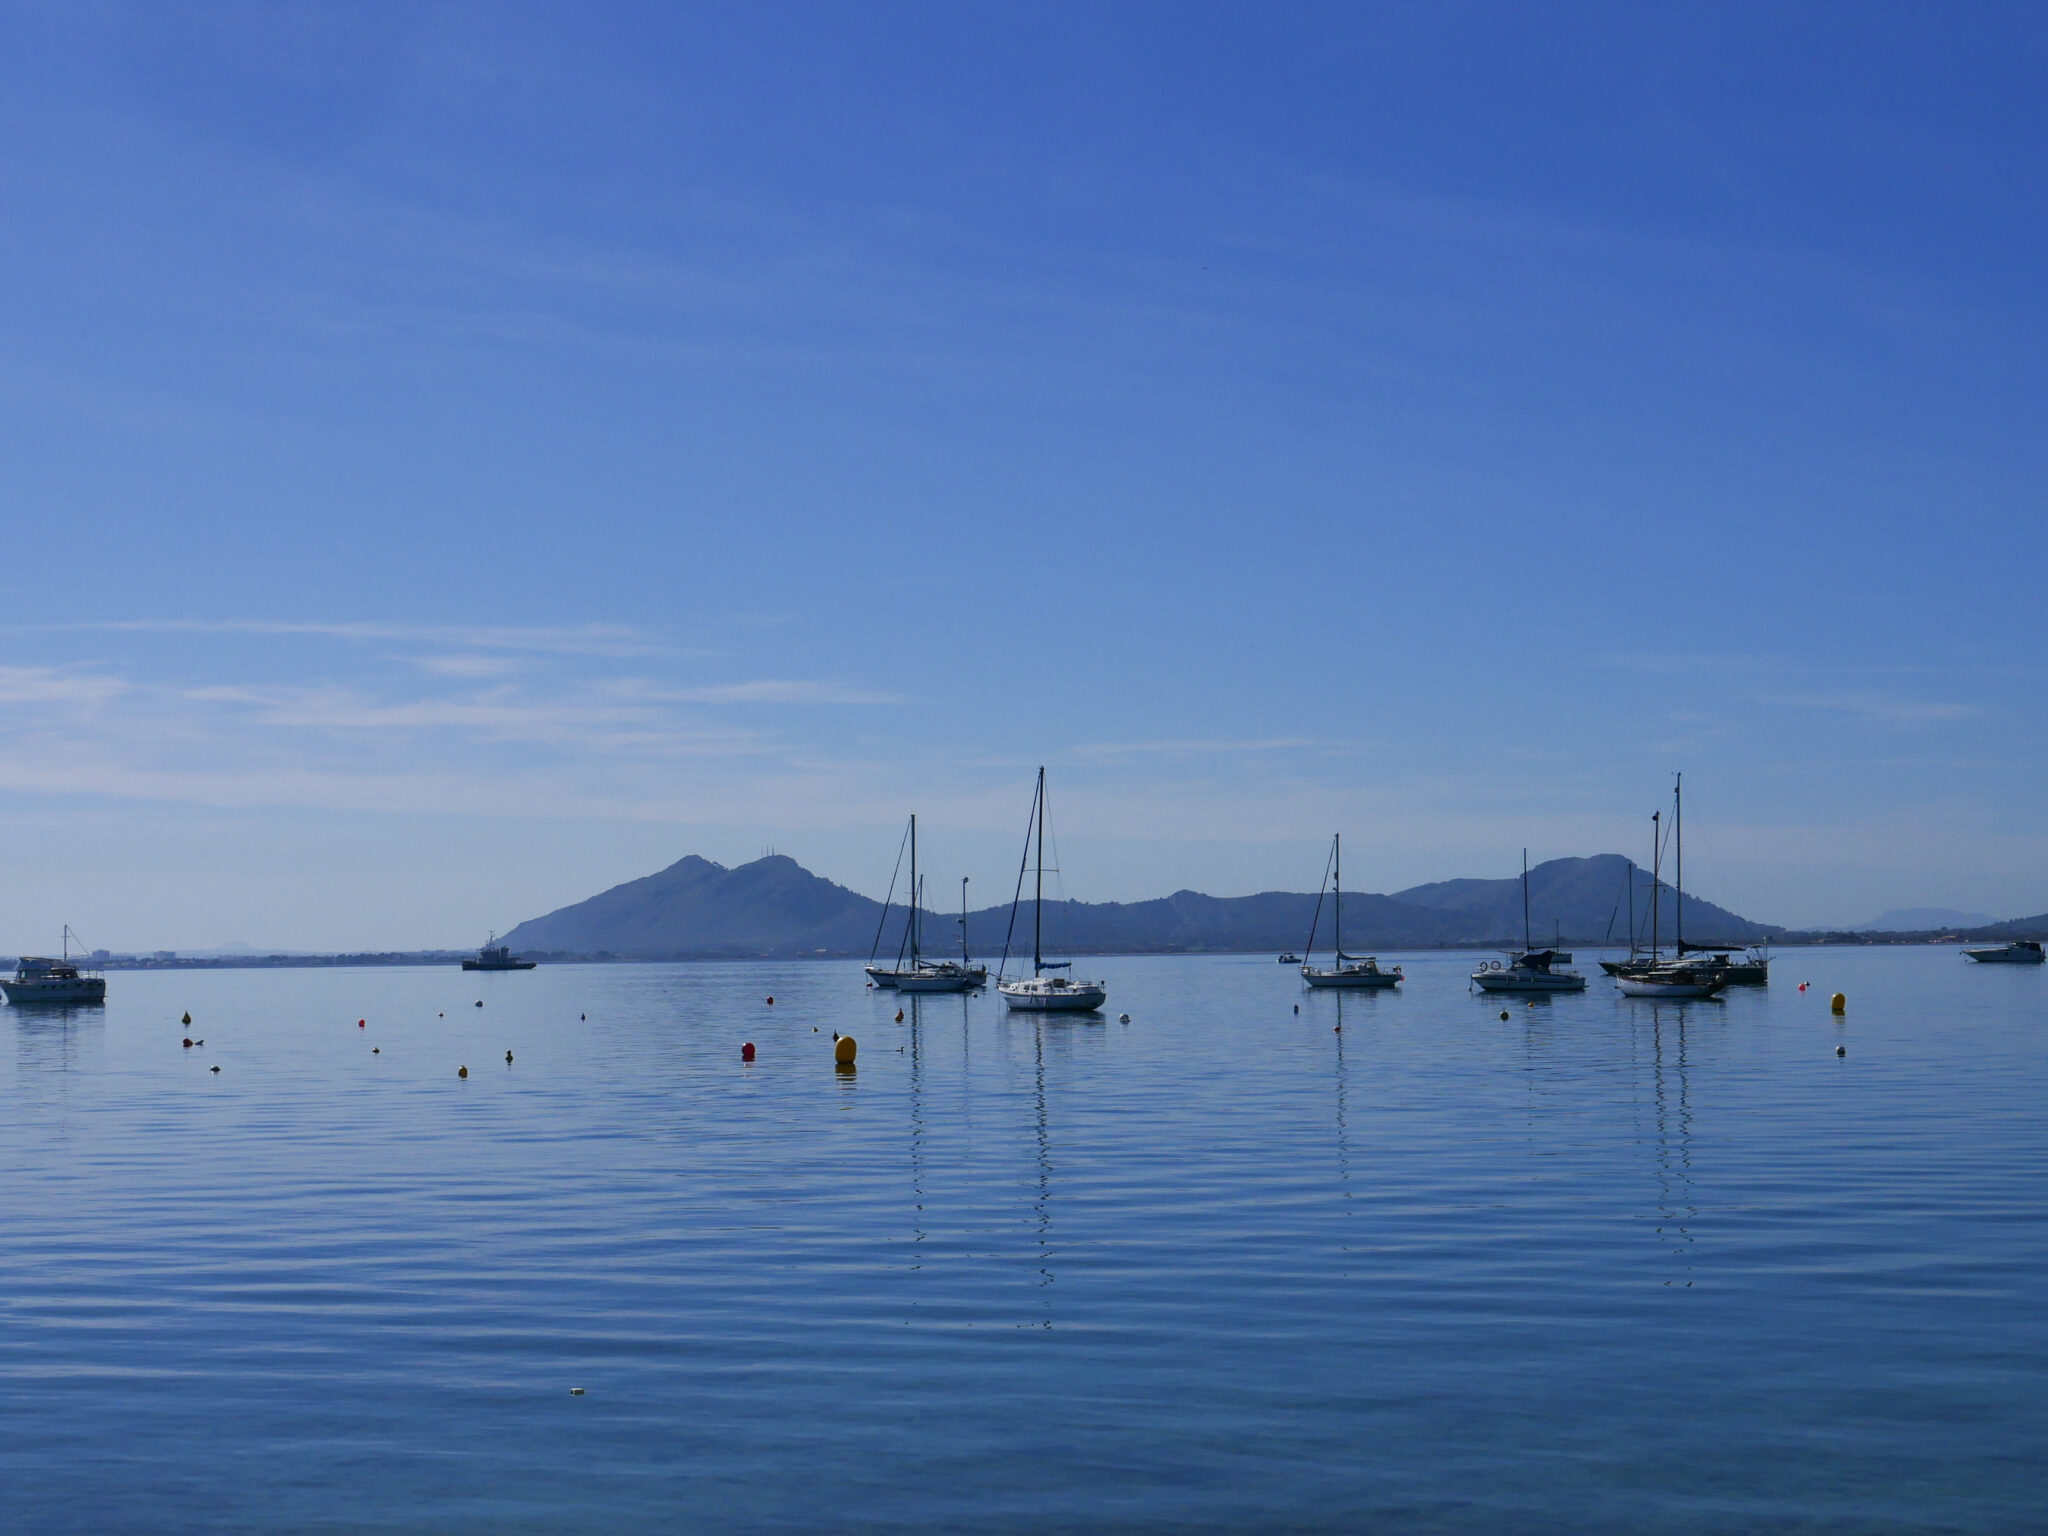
1839	1003
843	1049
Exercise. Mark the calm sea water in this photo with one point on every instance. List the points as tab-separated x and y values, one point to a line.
1603	1266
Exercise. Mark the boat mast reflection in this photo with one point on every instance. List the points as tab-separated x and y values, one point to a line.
1671	1102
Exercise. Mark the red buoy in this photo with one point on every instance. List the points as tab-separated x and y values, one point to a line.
188	1045
362	1023
747	1051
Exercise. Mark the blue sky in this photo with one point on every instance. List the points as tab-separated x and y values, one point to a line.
459	457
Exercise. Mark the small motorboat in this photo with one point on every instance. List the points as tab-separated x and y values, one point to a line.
1290	958
2018	952
497	957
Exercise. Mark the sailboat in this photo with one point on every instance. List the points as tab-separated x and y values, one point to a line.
1041	992
1533	970
1345	970
960	975
1679	977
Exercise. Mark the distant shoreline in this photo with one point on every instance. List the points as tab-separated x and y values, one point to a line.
454	957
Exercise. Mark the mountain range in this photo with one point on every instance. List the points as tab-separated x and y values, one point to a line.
775	907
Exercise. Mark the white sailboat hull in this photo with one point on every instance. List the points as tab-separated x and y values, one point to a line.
1527	981
1053	997
1647	986
937	981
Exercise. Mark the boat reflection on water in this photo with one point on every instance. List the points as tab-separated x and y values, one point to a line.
1671	1135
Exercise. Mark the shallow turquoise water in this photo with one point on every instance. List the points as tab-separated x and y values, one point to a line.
1605	1266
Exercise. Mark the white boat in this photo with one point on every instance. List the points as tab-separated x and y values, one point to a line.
1679	978
1530	969
1345	970
2018	952
41	979
1047	989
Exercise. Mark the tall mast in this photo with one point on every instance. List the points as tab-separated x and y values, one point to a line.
915	894
1678	832
1038	894
1656	876
1526	946
1338	840
963	920
1631	877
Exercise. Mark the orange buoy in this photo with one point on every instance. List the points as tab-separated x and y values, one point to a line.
747	1051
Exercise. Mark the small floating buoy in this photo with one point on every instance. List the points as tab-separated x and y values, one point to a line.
1839	1003
899	1015
843	1048
1841	1050
188	1042
575	1391
362	1023
1530	1004
835	1033
1336	1029
199	1042
376	1050
462	1071
1297	1007
1123	1018
186	1020
584	1016
479	1002
747	1051
771	1002
440	1015
214	1070
1803	986
1503	1015
508	1058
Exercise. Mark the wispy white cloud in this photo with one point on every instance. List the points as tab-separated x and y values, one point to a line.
1875	707
772	691
604	640
58	686
1185	747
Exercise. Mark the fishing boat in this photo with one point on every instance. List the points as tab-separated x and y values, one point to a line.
43	979
1048	989
1345	970
2018	952
1532	969
497	957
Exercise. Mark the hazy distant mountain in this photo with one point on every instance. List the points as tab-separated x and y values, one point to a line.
774	906
1585	900
1924	920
